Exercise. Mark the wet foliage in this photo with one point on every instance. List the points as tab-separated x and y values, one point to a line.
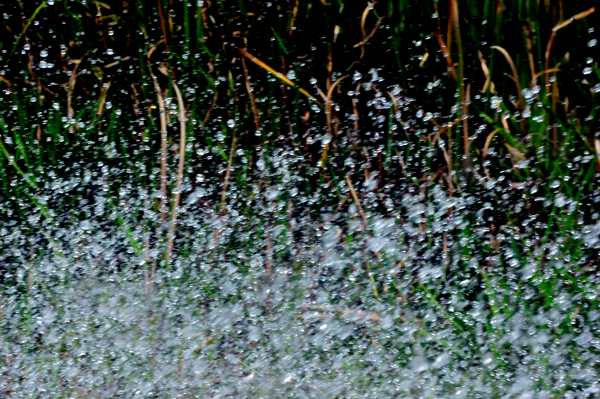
299	199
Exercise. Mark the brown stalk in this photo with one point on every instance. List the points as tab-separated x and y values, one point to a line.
136	110
442	129
396	109
355	109
182	144
154	47
515	74
449	31
163	151
70	88
363	20
545	72
465	122
212	105
486	73
464	93
36	78
112	64
424	60
446	49
529	50
488	142
103	93
294	14
228	174
162	23
556	28
363	31
255	110
275	73
358	205
370	35
446	55
328	113
449	163
222	208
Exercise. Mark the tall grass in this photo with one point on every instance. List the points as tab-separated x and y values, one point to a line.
408	189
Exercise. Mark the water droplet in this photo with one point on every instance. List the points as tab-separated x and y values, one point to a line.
43	53
587	70
110	51
230	123
592	43
291	75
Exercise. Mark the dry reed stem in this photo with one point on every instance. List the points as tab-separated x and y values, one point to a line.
182	144
222	208
445	48
163	151
162	23
449	163
154	47
278	75
103	94
581	15
486	146
370	35
228	172
555	29
446	55
328	110
358	205
363	31
424	60
465	122
486	73
529	50
442	129
514	72
70	88
464	92
294	14
255	110
515	153
537	75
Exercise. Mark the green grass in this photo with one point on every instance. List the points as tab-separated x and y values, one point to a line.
460	260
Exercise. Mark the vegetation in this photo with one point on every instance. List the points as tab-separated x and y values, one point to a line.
299	198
